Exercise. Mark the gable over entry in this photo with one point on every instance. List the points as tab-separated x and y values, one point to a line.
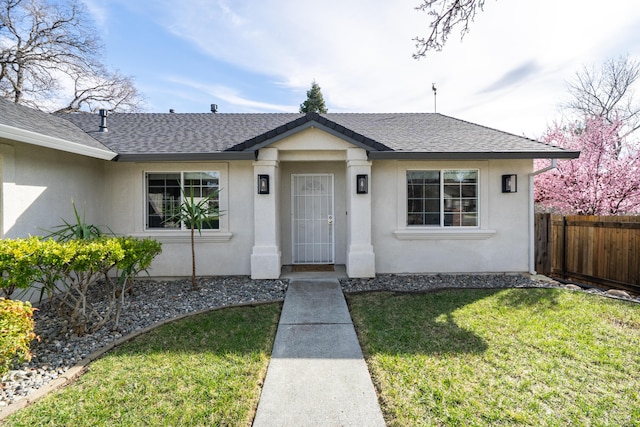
314	213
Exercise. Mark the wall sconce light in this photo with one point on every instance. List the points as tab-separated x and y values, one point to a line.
263	184
509	183
362	184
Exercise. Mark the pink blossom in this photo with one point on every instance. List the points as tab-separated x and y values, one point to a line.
604	180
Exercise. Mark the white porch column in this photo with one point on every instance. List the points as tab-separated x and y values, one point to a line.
360	256
266	254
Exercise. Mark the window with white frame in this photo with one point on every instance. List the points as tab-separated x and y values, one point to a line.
442	198
165	192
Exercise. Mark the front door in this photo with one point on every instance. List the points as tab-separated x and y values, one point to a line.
312	218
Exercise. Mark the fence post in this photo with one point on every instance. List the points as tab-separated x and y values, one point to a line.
544	246
564	247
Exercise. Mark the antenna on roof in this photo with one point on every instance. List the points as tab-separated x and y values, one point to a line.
433	88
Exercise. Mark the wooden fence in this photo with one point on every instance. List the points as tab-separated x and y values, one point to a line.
602	250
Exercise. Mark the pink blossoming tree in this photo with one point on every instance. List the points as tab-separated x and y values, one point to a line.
604	180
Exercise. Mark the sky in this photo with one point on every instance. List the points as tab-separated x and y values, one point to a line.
510	72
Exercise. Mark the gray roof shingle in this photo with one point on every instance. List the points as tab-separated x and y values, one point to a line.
165	136
25	118
399	132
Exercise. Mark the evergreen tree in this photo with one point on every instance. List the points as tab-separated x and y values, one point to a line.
314	102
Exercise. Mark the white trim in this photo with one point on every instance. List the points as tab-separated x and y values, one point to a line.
440	234
412	232
182	237
221	168
29	137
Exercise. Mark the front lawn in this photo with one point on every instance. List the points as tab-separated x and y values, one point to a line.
538	357
205	370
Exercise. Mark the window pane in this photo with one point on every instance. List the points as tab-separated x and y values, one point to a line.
460	176
461	192
415	206
164	196
423	197
454	200
163	199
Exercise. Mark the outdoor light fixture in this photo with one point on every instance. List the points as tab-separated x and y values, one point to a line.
263	184
509	183
362	184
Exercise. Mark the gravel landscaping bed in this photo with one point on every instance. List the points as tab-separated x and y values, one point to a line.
155	301
421	283
151	302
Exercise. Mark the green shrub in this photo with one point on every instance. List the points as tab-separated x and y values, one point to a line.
71	268
17	267
75	230
138	255
16	332
67	269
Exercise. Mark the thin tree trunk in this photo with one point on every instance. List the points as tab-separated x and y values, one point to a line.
193	260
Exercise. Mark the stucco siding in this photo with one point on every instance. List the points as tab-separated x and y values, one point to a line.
39	184
218	252
498	244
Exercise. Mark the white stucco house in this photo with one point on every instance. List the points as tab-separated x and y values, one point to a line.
378	193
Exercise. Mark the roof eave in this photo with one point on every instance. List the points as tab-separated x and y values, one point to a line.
186	157
34	138
471	155
309	121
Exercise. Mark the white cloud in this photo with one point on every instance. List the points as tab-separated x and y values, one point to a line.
227	94
98	11
359	51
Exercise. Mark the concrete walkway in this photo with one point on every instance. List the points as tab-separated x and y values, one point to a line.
317	375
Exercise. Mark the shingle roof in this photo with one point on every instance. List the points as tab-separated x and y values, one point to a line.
206	132
174	136
28	119
153	133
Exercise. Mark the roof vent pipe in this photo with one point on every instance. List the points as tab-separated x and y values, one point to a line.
171	110
214	108
103	120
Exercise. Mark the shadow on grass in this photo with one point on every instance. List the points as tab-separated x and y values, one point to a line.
396	323
542	298
416	324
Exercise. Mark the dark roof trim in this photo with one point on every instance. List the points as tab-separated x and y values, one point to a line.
309	120
477	155
187	157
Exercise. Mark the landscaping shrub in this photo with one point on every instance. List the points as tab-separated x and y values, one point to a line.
138	255
17	267
16	332
67	270
71	268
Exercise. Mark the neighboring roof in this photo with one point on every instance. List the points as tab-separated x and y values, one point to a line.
204	136
20	123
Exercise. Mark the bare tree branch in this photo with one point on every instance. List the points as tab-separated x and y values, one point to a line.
447	14
607	92
45	44
111	91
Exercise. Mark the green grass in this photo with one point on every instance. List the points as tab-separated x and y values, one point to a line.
537	357
206	370
461	357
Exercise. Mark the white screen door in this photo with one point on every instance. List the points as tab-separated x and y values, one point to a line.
312	218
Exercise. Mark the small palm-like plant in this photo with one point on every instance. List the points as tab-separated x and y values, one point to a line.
195	213
78	230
